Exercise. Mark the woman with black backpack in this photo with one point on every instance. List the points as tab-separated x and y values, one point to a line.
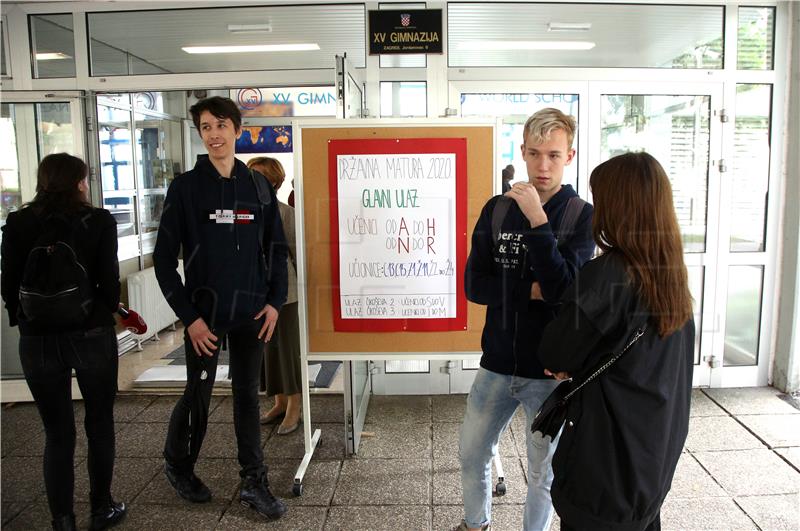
60	284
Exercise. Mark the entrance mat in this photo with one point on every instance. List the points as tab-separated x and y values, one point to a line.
324	378
178	357
327	372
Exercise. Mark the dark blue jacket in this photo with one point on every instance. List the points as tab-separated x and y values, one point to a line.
499	275
229	274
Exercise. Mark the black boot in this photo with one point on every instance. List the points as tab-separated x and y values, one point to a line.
188	486
107	516
64	523
255	494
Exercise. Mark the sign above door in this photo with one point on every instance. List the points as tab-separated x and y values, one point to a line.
406	31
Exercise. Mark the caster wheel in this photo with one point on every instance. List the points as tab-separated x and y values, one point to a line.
297	489
319	443
500	489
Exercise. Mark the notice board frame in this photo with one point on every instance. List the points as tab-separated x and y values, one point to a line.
318	340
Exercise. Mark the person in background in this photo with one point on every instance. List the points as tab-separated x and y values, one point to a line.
625	430
508	176
526	248
50	351
282	359
290	199
225	220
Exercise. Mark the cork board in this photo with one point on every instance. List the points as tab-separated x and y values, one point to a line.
318	243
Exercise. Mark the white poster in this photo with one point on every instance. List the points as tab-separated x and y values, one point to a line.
397	245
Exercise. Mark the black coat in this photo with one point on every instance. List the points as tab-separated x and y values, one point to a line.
625	431
499	275
96	243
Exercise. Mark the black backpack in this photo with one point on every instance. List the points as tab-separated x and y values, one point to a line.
55	290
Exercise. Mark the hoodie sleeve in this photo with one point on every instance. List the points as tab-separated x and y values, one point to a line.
555	267
11	264
482	284
276	253
165	256
107	265
600	304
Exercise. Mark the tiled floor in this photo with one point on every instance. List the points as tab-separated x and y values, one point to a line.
739	470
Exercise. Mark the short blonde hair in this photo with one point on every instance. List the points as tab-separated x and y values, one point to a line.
542	124
270	168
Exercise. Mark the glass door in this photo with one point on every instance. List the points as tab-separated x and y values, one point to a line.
680	126
357	390
349	89
32	125
349	84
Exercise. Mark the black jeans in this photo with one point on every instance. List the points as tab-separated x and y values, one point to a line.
189	420
47	362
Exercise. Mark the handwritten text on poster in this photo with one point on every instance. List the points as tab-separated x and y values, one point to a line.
398	240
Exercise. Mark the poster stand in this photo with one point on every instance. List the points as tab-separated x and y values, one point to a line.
319	339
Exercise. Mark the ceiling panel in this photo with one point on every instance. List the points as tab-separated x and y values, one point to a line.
624	35
152	40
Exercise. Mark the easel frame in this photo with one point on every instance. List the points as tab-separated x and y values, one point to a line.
481	165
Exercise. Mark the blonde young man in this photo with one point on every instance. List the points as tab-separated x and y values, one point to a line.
526	248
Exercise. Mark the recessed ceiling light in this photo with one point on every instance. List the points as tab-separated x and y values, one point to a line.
250	28
526	45
50	56
303	47
569	26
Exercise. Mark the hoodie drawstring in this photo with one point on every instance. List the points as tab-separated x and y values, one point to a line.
235	203
235	199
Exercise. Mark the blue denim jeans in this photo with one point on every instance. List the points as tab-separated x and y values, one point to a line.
491	404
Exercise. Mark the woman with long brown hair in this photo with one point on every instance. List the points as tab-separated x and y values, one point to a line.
62	330
624	430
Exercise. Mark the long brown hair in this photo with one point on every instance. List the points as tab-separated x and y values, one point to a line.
57	181
635	217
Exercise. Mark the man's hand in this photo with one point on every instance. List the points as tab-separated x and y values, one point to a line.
270	315
557	375
529	202
536	292
202	338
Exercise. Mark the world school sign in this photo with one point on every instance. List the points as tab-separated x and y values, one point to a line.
405	31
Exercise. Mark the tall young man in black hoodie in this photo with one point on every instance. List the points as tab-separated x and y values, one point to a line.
234	257
522	259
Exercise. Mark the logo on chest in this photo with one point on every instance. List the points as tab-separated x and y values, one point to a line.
509	249
229	217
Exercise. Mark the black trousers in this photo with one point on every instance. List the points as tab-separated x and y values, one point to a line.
654	525
189	420
47	362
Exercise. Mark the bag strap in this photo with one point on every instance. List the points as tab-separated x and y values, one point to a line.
572	211
264	199
498	215
637	334
262	190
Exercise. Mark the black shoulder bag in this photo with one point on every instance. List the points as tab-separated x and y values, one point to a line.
553	412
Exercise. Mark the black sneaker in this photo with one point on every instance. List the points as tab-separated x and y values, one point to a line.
188	486
256	495
107	516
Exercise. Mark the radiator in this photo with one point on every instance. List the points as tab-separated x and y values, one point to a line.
145	297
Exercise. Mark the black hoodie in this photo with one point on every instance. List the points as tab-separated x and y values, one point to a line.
499	275
229	275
